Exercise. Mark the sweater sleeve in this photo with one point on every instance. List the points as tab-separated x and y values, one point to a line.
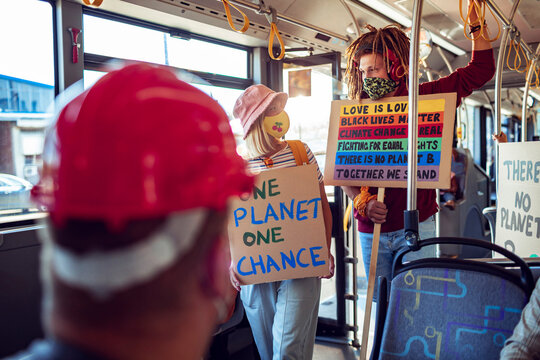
525	341
464	80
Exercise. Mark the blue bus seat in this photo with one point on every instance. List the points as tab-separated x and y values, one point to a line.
440	308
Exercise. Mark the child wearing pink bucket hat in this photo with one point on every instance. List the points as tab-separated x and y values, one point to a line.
282	314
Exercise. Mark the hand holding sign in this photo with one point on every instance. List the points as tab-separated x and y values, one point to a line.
376	211
331	268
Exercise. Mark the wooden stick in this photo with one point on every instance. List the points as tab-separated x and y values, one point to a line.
371	281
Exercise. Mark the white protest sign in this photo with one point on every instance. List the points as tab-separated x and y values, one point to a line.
518	205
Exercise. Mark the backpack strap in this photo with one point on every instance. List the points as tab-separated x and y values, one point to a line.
299	152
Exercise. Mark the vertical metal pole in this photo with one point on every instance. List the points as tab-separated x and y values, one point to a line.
498	79
413	106
498	75
411	214
526	95
341	271
356	341
502	49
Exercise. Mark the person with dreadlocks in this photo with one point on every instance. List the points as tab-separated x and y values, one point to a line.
378	67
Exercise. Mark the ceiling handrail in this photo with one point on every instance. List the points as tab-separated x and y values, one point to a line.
508	22
297	22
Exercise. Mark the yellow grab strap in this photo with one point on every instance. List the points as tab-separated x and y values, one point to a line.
536	83
226	5
95	3
517	57
274	30
299	152
480	7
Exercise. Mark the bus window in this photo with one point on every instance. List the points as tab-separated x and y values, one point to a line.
310	95
223	74
26	90
119	40
122	41
91	76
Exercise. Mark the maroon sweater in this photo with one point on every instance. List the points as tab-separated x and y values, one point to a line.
464	80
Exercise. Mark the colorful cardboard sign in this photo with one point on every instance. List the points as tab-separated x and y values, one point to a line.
518	208
368	145
278	233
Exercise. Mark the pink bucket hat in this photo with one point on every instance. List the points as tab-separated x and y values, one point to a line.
254	101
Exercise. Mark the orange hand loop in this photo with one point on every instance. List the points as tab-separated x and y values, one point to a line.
517	59
226	5
361	200
95	3
480	9
536	83
274	30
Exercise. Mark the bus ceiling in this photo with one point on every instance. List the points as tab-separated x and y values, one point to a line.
327	26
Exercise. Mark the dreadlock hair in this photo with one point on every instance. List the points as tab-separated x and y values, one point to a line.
376	41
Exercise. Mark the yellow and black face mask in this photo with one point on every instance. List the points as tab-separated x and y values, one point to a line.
278	125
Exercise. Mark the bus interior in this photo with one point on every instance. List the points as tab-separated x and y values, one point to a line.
52	46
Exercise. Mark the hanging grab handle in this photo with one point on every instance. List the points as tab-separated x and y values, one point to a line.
480	7
95	3
517	58
274	30
272	17
536	83
515	43
226	5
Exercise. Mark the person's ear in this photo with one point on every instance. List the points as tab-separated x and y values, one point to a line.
214	269
214	280
215	272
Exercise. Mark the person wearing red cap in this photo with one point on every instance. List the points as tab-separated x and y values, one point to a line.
137	174
282	314
378	67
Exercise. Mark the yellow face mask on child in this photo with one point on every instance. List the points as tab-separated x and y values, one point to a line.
278	125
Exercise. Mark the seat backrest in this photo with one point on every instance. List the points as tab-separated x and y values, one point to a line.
452	308
490	213
459	168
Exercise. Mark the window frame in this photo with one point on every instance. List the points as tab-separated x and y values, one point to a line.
95	62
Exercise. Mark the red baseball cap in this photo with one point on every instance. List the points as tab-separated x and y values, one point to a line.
140	143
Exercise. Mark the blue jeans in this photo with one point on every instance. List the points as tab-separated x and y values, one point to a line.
390	244
283	317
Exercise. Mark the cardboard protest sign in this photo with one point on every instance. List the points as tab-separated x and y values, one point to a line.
368	145
278	233
518	208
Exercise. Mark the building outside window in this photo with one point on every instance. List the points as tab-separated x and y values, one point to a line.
26	92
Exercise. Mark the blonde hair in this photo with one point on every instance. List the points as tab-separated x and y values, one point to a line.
376	41
258	141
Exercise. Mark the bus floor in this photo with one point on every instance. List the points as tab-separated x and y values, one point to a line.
238	344
330	348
